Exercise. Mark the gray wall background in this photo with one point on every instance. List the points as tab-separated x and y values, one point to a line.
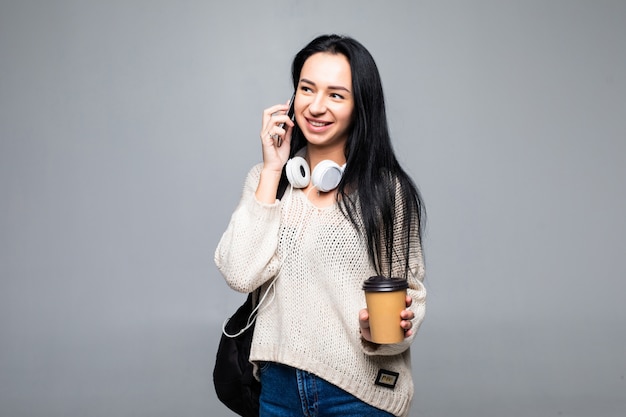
126	131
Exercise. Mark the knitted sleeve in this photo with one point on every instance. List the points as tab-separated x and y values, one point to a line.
246	252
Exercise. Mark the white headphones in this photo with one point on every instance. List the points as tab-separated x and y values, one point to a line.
326	175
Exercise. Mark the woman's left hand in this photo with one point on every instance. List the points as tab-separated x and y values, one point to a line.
406	316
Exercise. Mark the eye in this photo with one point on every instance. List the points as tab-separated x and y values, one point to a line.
305	89
337	96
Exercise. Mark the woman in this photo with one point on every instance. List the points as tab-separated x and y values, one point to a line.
310	245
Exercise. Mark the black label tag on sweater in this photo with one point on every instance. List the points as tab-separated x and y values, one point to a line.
387	378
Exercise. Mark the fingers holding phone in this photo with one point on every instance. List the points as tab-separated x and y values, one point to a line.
276	129
277	120
290	111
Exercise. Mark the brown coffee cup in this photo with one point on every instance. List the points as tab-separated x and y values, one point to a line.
385	298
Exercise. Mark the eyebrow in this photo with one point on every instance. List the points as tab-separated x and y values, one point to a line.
330	87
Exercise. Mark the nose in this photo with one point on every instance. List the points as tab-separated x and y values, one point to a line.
318	105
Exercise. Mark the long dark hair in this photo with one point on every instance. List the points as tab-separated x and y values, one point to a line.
375	193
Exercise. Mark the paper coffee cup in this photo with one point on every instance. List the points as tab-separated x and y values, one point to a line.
385	298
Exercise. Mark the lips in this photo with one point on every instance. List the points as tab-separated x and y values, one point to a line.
318	125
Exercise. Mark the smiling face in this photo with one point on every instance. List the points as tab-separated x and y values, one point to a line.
324	101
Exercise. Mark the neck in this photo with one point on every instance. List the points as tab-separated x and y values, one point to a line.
315	154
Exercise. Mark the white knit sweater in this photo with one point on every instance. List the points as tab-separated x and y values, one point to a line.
310	320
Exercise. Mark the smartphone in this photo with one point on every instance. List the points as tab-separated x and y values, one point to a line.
290	114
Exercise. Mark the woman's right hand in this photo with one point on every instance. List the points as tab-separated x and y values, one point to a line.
275	156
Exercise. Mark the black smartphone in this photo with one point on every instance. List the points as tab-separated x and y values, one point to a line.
290	114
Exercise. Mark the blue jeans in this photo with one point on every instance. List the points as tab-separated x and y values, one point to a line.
290	392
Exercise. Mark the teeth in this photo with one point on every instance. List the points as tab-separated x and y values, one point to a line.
318	124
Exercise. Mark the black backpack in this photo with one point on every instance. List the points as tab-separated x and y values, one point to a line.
233	377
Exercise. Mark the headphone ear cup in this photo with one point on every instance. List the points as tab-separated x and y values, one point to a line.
327	175
298	172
